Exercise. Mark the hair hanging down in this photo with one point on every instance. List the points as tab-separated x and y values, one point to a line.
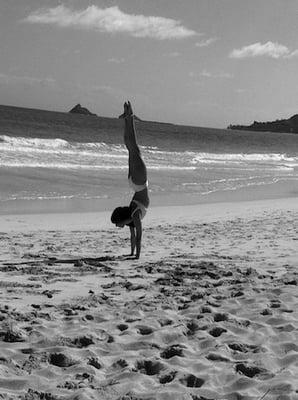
120	214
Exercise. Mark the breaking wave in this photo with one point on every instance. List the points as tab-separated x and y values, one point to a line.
18	152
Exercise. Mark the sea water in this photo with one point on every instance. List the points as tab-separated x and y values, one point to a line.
55	168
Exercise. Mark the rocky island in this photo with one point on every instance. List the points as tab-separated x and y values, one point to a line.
78	109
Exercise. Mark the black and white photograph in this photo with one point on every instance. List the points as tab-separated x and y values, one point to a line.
148	200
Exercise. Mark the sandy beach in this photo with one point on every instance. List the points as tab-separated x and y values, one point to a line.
208	312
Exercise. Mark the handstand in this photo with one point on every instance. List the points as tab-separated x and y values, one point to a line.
137	178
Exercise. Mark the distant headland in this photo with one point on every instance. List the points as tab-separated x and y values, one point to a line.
280	125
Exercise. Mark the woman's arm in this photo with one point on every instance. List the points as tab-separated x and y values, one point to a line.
132	240
138	226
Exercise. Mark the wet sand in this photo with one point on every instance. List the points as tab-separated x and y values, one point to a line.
208	312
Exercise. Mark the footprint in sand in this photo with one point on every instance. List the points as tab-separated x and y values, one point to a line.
220	317
120	364
61	360
217	357
275	304
171	351
266	312
122	327
192	381
144	330
245	348
149	367
83	341
35	395
253	371
206	310
69	312
167	378
11	336
94	362
165	322
192	328
217	331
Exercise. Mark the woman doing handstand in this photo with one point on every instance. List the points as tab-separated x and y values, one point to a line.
137	178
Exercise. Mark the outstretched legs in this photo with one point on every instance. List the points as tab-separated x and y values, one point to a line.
137	168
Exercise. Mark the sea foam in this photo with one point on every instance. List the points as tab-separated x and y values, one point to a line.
59	153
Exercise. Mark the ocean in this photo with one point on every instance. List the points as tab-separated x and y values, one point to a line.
52	161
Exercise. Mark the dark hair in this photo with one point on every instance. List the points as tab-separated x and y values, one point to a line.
120	214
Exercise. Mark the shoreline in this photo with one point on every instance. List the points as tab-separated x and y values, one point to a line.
174	214
278	190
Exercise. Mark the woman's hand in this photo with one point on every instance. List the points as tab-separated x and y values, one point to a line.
132	257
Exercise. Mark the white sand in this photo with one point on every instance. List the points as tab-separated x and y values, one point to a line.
208	312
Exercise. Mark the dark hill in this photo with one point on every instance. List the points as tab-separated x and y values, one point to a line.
78	109
280	125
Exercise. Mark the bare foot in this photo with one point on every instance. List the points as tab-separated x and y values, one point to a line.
124	113
127	111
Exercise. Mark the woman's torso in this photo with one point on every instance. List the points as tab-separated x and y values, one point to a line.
142	197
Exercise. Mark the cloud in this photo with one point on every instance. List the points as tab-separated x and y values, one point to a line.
240	91
206	74
293	54
28	80
112	20
116	60
206	42
269	49
221	74
173	54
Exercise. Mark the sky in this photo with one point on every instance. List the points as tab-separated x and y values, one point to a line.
192	62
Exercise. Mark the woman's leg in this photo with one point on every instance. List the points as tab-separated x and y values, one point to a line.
137	168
